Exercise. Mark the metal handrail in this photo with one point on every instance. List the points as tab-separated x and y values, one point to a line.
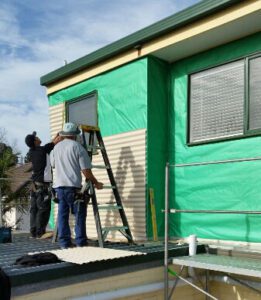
215	162
202	211
166	234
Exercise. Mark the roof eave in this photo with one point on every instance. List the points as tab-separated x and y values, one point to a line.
182	18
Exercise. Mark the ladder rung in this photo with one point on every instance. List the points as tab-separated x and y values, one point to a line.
109	206
100	167
94	148
114	228
109	187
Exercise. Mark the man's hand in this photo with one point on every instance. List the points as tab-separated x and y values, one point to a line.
99	185
89	176
57	139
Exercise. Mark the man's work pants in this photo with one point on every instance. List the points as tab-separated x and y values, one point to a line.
66	196
39	211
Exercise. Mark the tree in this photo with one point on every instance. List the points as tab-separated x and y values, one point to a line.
27	157
8	159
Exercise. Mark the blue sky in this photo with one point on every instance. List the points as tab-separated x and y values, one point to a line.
37	36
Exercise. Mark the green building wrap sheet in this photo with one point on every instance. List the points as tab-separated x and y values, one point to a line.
133	97
227	186
151	94
157	141
122	97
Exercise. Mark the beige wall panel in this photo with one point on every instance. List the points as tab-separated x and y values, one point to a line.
56	118
92	287
136	279
232	292
127	155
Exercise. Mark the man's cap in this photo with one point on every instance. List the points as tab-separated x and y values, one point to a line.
70	129
29	140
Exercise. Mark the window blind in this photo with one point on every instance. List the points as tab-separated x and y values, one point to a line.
217	102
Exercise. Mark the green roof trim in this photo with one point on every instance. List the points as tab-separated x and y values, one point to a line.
184	17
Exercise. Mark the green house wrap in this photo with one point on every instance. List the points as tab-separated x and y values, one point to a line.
153	95
227	186
129	98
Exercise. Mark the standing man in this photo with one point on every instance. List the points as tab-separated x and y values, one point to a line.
70	159
42	177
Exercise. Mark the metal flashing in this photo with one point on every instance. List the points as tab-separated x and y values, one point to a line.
182	18
84	255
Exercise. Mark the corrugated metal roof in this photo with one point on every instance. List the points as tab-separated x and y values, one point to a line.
20	176
84	255
21	276
182	18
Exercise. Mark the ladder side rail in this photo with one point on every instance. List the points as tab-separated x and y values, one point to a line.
113	183
95	208
91	143
104	235
96	215
92	192
124	233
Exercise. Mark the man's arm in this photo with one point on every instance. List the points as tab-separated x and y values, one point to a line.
52	159
49	147
89	176
57	139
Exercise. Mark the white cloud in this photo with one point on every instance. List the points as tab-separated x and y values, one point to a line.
36	39
9	27
20	120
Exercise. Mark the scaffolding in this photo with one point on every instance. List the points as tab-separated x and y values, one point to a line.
209	262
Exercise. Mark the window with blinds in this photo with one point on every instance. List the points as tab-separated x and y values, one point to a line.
254	93
217	103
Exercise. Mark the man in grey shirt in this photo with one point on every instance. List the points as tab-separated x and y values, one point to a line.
70	159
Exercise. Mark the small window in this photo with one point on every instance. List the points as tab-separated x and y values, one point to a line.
254	93
217	103
83	112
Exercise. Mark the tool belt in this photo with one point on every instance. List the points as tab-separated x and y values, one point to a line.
81	196
43	188
40	186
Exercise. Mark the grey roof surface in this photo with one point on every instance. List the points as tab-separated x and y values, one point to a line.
22	245
20	176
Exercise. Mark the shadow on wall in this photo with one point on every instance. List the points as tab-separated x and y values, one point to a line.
129	175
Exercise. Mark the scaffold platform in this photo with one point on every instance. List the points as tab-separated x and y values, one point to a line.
222	263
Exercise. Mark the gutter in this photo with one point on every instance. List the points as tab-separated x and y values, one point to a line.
135	40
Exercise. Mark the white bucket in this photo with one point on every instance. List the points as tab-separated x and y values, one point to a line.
192	241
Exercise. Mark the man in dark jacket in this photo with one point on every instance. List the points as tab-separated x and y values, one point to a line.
42	177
